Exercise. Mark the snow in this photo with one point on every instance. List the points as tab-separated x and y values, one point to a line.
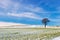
57	38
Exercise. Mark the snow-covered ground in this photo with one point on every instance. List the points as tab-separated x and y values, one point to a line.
57	38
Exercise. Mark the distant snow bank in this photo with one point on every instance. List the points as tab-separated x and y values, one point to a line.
8	24
19	25
57	38
16	25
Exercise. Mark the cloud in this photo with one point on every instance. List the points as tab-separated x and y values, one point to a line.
33	8
40	10
14	6
25	14
5	3
9	5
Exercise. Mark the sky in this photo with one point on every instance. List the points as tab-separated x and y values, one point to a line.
30	11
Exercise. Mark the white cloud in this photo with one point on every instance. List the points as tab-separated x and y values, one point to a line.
25	14
9	5
16	5
5	3
41	10
35	9
19	6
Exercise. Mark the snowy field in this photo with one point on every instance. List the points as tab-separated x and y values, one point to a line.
29	33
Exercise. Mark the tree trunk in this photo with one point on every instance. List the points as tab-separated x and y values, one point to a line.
45	25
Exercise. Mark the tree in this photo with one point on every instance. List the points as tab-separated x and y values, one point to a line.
45	21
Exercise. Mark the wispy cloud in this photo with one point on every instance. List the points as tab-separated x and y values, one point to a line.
32	11
26	15
12	7
5	3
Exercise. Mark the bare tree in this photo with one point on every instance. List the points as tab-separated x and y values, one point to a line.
45	21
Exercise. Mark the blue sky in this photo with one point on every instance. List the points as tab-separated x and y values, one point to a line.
30	11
